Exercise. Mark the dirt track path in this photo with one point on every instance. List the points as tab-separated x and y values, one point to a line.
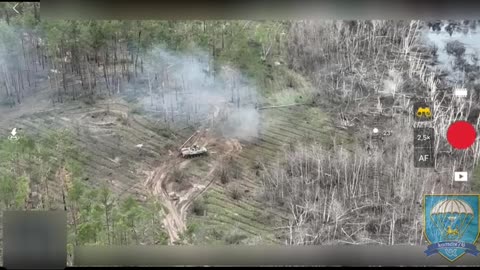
174	221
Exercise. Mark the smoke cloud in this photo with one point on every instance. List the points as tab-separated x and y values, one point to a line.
186	88
242	124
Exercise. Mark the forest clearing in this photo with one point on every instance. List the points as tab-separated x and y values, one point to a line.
281	113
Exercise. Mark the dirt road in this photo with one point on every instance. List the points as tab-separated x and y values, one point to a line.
177	208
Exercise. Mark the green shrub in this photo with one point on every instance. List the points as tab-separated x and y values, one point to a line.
178	175
235	193
138	109
224	175
199	207
235	238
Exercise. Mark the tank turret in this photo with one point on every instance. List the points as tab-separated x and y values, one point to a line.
193	151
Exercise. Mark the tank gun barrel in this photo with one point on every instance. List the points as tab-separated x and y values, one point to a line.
196	132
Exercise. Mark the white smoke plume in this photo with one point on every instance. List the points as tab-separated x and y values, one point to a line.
186	89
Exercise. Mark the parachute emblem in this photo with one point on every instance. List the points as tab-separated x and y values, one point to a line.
451	225
452	217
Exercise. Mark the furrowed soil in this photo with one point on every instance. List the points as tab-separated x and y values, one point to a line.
246	215
137	155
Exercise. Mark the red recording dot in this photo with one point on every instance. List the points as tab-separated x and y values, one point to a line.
461	135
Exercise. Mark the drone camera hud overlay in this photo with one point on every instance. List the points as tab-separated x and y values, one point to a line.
238	141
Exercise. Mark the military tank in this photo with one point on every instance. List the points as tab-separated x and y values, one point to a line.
193	151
